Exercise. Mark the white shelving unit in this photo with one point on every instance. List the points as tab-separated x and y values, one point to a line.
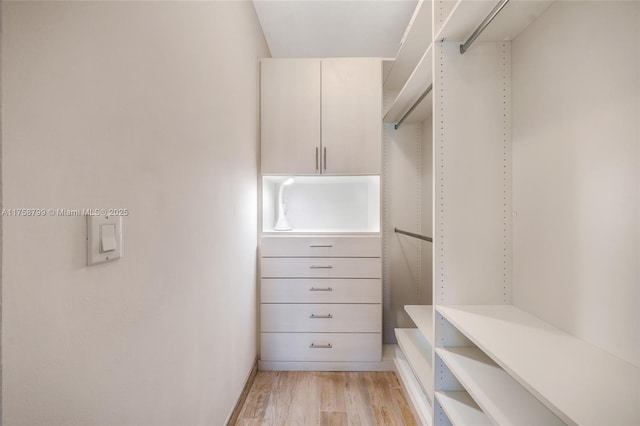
551	364
461	409
422	316
503	399
422	408
419	355
418	82
494	360
412	47
463	16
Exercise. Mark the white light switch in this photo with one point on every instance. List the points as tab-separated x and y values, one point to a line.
104	239
107	238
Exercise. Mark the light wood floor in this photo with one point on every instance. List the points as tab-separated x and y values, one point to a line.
300	398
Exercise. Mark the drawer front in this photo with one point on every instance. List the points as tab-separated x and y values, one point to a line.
321	347
323	318
321	246
320	267
301	290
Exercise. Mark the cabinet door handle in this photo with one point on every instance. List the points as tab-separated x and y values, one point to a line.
321	267
321	245
314	316
314	346
317	158
320	289
324	160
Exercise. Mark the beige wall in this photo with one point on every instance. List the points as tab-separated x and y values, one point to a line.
576	172
407	201
150	106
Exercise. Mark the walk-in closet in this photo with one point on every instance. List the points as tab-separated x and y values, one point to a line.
320	212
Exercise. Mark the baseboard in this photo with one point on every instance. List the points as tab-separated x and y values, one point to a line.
233	418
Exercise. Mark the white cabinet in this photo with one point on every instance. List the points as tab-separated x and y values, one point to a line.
290	111
321	301
351	116
321	116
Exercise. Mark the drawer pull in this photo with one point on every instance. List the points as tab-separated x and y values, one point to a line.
321	245
320	289
314	346
321	267
320	316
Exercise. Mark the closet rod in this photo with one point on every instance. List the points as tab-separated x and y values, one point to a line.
411	234
426	92
483	25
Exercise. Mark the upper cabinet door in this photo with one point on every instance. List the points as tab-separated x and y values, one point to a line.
351	116
290	111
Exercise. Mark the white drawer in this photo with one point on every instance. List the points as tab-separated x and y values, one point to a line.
321	347
320	267
321	246
324	318
305	290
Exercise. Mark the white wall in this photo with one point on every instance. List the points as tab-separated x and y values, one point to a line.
407	205
150	106
576	172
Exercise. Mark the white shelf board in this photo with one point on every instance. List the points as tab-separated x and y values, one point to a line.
418	353
418	82
467	15
501	398
416	39
579	382
422	316
416	396
461	409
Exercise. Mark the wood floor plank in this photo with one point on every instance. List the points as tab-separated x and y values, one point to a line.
305	404
334	418
292	398
250	422
385	410
278	411
398	398
405	410
359	408
332	387
259	396
392	379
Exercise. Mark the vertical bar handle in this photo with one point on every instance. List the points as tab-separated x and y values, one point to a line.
324	160
317	158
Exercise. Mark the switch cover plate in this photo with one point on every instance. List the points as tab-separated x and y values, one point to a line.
104	239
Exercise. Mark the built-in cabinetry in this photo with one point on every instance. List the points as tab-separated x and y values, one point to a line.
533	320
320	249
320	115
321	302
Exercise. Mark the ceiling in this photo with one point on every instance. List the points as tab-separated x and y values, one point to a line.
334	28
